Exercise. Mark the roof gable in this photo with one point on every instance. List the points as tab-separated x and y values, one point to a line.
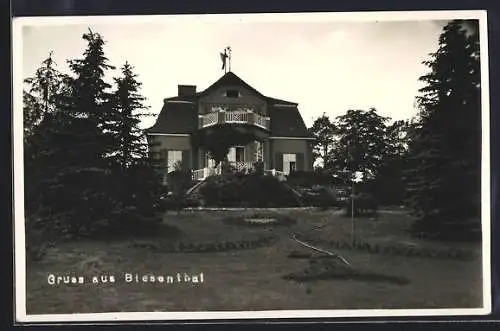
230	79
179	114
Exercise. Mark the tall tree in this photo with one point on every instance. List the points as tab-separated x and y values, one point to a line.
90	104
129	109
84	141
41	103
41	114
361	143
324	131
137	184
41	94
389	185
444	184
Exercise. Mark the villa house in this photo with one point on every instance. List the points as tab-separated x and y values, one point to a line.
283	142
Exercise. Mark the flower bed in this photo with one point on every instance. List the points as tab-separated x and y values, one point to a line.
260	219
332	270
400	250
208	247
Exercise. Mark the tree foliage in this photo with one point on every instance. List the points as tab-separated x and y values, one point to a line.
87	165
361	143
324	130
444	180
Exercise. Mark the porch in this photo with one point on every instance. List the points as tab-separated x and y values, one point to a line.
245	167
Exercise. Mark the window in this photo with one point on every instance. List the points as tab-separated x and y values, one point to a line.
173	159
289	162
232	94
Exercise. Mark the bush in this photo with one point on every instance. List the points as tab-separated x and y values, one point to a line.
364	204
320	196
434	228
247	190
309	178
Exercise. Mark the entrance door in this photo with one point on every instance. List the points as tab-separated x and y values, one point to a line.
240	154
236	154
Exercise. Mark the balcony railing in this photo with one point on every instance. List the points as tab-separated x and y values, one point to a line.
201	174
235	117
210	119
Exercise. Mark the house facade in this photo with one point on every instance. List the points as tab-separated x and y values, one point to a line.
283	143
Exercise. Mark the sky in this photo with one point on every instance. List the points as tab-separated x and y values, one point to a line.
325	65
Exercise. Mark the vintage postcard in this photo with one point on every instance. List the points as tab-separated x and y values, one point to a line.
251	166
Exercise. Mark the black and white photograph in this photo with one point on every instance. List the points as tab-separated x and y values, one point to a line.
251	166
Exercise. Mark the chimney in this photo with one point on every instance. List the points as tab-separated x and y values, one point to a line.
186	90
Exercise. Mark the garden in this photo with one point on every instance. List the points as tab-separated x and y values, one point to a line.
249	263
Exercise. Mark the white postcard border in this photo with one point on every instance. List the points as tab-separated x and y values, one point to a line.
18	222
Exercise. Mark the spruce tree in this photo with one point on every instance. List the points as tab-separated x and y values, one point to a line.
129	109
444	178
86	141
137	183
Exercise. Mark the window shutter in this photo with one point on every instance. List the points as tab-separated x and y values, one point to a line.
164	156
278	165
300	161
186	159
195	161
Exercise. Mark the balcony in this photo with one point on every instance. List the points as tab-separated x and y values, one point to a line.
245	116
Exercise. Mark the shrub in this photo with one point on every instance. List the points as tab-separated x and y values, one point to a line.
364	204
309	178
249	190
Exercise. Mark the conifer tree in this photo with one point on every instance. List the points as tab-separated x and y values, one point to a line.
85	141
444	180
41	101
41	111
137	182
129	108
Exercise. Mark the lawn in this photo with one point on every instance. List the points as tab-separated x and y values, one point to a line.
252	278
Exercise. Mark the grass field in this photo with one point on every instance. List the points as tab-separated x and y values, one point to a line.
251	279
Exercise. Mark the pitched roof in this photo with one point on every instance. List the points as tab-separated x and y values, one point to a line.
176	118
287	122
182	118
231	78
